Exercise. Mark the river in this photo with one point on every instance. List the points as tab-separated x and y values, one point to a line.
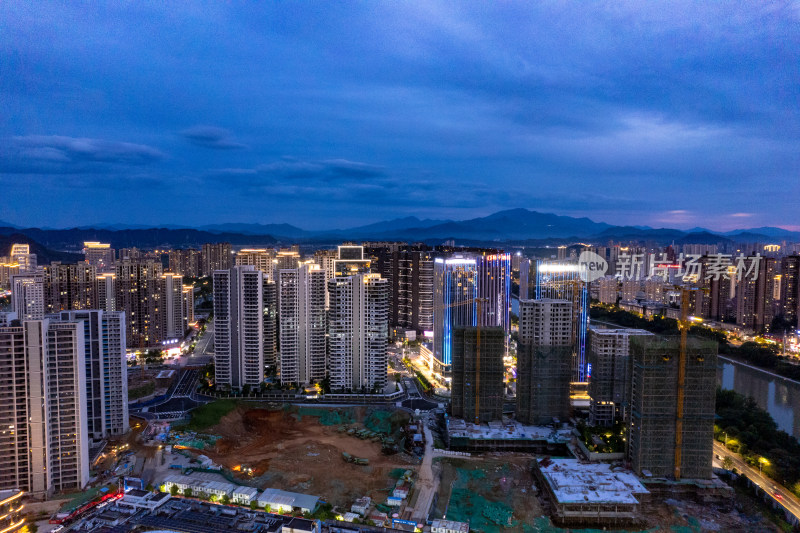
779	396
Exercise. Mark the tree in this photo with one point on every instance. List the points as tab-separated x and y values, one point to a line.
226	499
254	505
187	492
174	490
727	463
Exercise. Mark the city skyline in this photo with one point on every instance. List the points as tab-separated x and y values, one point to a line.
627	114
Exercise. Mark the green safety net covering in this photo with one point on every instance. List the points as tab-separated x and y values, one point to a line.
543	525
386	422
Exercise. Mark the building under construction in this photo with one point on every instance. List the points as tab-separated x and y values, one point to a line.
477	393
670	438
609	388
544	360
543	378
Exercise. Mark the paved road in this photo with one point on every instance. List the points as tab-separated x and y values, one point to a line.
204	349
780	494
427	483
181	397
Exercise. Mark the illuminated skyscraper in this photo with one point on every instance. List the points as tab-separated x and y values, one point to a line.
216	256
261	258
350	261
270	323
754	297
561	280
136	291
106	371
494	289
358	331
27	296
239	326
454	304
69	287
98	254
43	388
524	279
790	289
172	312
186	262
302	324
21	254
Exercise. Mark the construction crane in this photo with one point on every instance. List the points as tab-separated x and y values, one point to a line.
478	310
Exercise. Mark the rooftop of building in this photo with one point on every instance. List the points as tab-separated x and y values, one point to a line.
507	429
9	494
574	482
247	491
293	499
600	330
451	525
546	301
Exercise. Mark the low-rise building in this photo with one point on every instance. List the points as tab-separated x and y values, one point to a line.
393	501
449	526
400	492
300	525
244	495
361	505
590	494
200	485
143	499
281	501
11	518
378	518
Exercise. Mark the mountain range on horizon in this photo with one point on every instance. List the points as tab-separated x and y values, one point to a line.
508	226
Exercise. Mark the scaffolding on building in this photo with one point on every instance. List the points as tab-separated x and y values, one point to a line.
662	442
543	383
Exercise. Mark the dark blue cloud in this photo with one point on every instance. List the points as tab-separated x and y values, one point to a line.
624	112
211	137
43	154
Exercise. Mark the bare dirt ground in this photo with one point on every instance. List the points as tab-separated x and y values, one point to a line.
302	456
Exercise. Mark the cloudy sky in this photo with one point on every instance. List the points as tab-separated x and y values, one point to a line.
328	114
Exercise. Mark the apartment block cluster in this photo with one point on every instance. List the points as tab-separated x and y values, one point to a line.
63	351
64	387
633	378
753	288
332	314
158	306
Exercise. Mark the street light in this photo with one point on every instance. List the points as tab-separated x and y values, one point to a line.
762	461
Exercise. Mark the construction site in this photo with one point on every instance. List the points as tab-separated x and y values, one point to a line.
492	494
298	449
506	435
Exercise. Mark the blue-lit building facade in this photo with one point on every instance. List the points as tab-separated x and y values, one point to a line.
458	283
561	280
494	289
455	289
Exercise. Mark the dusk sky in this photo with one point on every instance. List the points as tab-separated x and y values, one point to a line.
334	114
